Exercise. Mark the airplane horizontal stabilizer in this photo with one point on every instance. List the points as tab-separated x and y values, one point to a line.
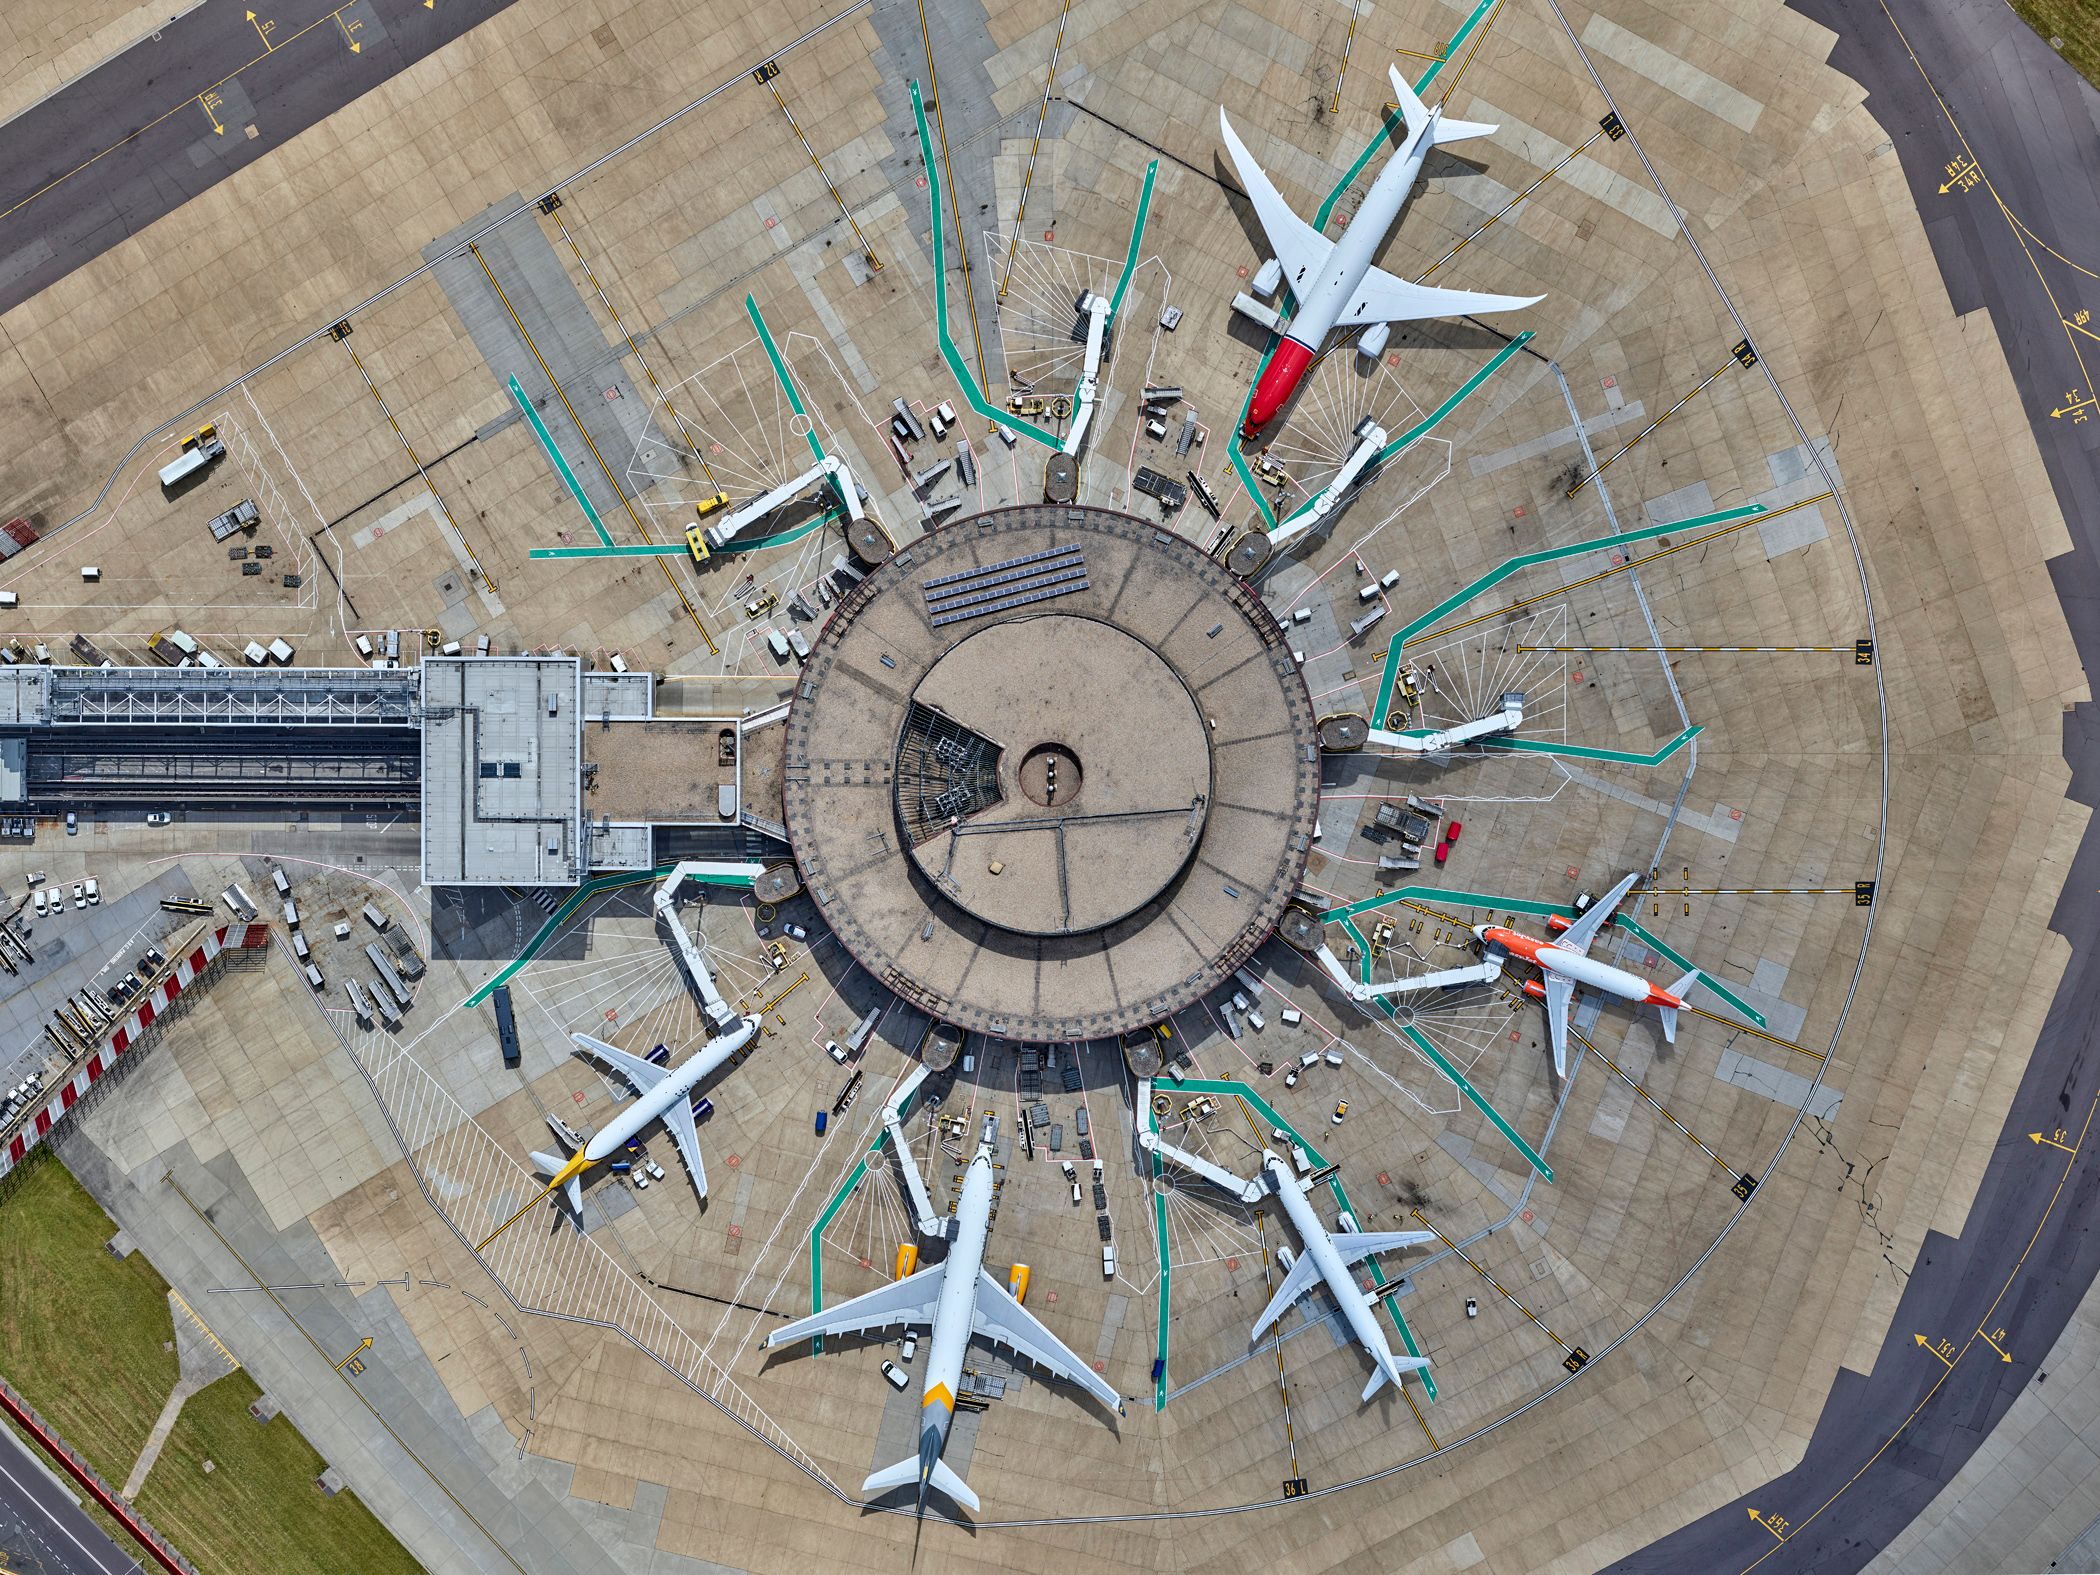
1377	1382
905	1473
1449	130
1669	1013
572	1189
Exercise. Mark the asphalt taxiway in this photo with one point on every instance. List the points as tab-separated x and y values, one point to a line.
1996	135
172	116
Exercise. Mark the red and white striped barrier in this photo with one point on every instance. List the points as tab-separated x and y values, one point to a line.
187	973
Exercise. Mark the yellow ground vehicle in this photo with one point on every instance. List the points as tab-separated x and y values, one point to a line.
707	506
761	604
696	543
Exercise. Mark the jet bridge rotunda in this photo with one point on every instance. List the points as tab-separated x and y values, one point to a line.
1051	773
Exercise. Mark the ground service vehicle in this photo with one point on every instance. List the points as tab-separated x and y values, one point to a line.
506	1024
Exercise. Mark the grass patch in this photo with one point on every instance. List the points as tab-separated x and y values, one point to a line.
81	1335
2076	22
258	1510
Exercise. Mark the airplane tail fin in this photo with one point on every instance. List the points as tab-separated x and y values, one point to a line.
905	1473
1669	1013
1411	104
572	1188
1417	114
1381	1375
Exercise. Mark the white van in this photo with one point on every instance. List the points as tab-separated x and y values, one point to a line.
94	891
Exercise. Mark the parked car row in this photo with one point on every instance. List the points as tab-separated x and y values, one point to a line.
49	904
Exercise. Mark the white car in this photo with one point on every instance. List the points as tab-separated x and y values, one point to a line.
160	817
910	1347
42	907
79	894
835	1050
895	1375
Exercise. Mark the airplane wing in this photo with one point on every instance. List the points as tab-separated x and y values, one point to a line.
640	1075
1297	245
1381	298
1354	1245
907	1301
1004	1321
1560	994
1304	1275
1578	936
678	1121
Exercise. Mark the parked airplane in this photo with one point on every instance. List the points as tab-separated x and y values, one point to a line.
1326	1259
958	1299
662	1093
1565	962
1335	283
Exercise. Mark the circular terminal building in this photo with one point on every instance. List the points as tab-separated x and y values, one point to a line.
1051	773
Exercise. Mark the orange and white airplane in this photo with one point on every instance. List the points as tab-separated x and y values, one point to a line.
1565	962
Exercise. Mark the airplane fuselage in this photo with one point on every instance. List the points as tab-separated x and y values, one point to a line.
678	1084
1584	970
1322	298
955	1311
1340	1279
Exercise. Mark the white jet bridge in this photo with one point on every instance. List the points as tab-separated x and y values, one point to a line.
1095	309
719	1014
1370	443
929	1222
1505	718
831	467
1484	972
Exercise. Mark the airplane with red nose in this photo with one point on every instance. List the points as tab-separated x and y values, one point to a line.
1337	284
1564	963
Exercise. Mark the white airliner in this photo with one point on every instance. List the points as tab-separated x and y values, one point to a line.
662	1093
1326	1257
958	1299
1336	283
1565	962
